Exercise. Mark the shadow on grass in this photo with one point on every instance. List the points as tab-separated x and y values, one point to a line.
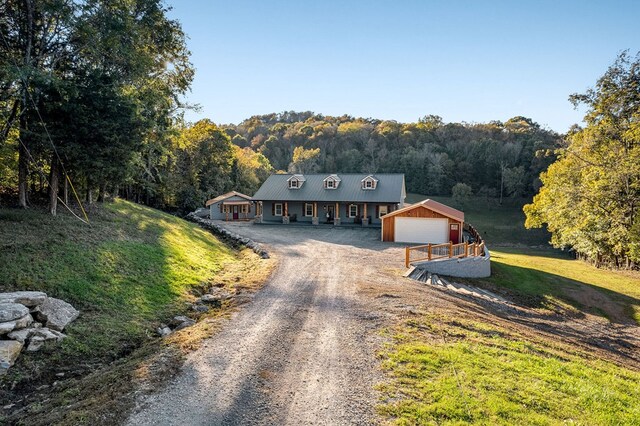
540	289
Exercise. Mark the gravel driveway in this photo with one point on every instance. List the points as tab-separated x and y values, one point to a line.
302	352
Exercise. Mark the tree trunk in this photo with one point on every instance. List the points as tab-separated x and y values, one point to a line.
101	190
53	185
501	181
65	190
23	173
89	194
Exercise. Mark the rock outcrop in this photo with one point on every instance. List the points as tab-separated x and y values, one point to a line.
19	330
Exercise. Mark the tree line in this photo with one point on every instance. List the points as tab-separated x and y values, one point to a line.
494	159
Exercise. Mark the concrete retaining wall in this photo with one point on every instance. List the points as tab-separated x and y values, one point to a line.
468	267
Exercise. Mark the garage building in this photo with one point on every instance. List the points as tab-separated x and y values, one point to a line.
425	222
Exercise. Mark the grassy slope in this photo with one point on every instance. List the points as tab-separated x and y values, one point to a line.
446	370
524	263
133	268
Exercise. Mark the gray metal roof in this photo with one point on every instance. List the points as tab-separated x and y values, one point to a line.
389	189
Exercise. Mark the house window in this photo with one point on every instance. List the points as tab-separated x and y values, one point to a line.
353	210
308	209
293	184
277	209
330	184
369	183
382	210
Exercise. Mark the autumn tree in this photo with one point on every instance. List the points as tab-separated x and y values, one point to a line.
590	197
304	160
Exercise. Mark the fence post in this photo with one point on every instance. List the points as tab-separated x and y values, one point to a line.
450	248
406	256
466	249
429	252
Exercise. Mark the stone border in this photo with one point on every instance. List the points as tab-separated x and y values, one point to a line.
227	235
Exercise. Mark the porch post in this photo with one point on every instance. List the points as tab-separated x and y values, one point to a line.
336	220
314	219
365	218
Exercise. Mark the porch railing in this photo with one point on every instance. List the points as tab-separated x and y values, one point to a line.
442	251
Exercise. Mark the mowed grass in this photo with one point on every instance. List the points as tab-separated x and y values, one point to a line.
523	262
449	371
548	276
132	268
498	224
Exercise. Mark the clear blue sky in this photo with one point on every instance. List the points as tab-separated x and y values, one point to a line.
472	61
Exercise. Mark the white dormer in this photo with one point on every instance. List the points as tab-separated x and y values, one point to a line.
369	183
331	182
296	181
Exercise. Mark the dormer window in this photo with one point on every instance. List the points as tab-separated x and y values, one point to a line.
369	183
296	181
332	182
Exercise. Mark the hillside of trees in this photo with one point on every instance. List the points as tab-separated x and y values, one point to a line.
493	159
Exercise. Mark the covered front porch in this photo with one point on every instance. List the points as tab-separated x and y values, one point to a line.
322	213
236	209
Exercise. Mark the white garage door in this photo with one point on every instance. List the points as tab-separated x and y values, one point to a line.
421	230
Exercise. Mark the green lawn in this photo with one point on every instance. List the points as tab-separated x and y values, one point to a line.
498	224
449	371
524	263
131	269
550	276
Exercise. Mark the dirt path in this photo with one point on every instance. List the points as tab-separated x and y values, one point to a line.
303	352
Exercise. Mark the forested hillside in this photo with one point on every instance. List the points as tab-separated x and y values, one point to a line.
492	158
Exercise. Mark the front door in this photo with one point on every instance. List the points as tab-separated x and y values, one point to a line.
330	213
454	233
235	212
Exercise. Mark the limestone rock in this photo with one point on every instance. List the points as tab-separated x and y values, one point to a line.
200	308
48	334
9	326
10	311
179	322
56	313
9	351
164	330
35	344
23	322
26	298
21	335
27	334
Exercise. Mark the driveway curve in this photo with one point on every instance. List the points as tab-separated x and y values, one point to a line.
302	352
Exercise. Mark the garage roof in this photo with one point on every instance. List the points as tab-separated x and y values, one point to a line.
432	205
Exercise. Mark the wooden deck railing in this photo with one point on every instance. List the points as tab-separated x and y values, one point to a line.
441	251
